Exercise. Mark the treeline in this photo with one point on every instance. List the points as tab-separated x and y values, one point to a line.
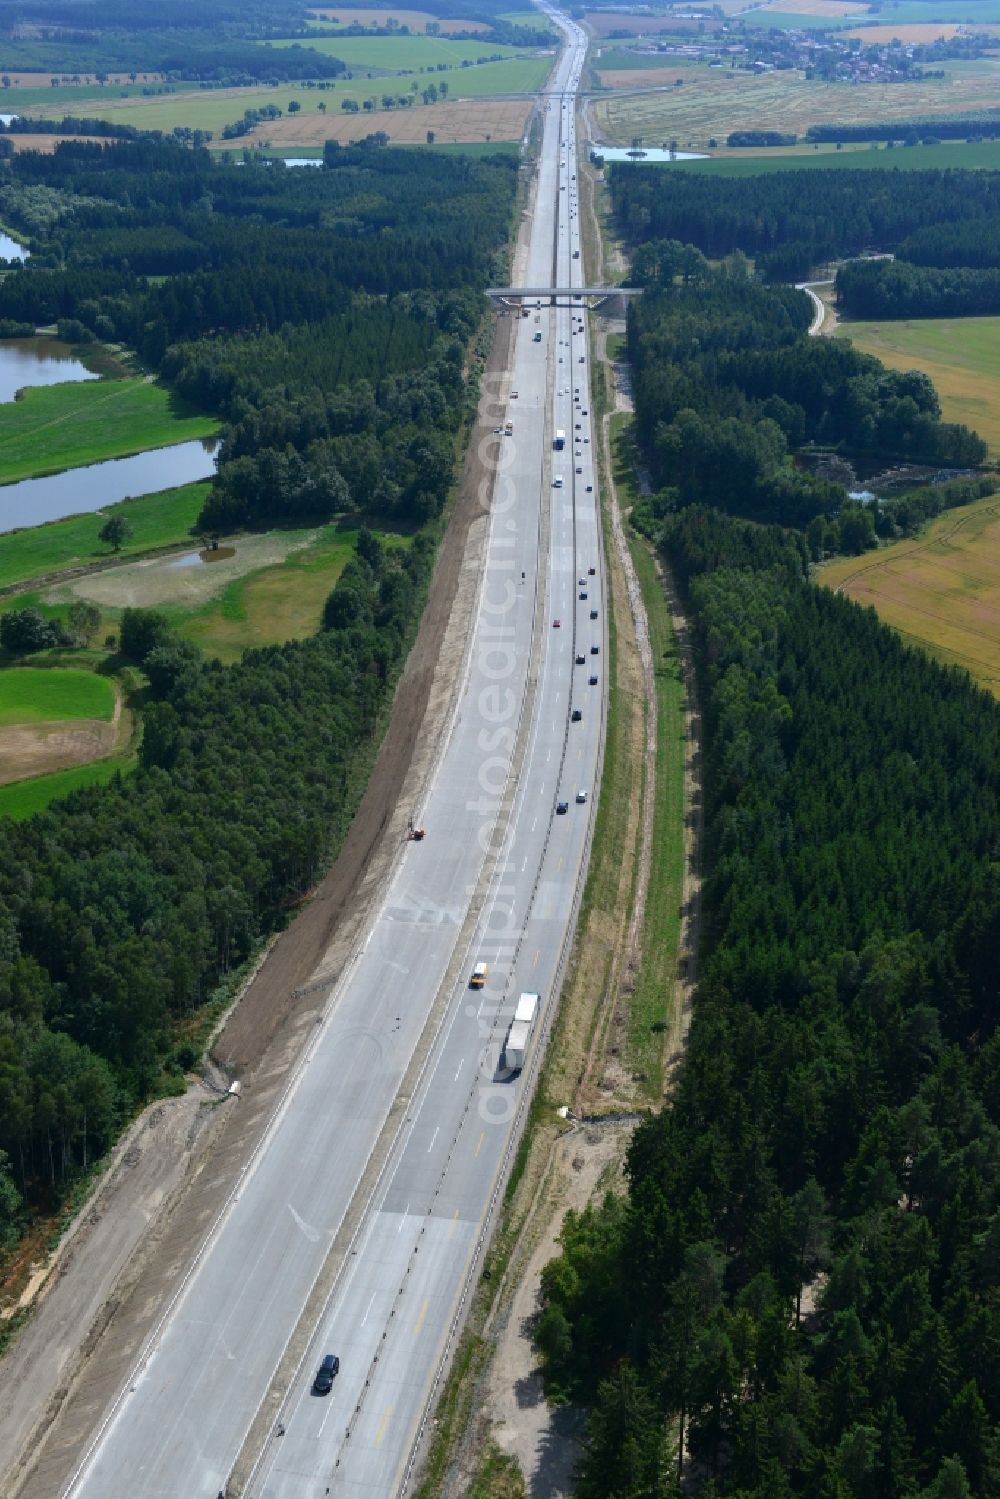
728	387
909	132
68	125
798	1293
792	221
122	906
324	315
895	289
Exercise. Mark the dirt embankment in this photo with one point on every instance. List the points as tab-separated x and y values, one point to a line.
160	1196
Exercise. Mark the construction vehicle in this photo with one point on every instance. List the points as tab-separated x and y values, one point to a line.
413	834
478	978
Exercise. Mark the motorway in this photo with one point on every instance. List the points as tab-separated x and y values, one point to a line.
512	754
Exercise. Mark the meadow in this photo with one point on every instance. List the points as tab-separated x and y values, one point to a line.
56	427
714	101
156	520
416	20
939	591
21	799
961	355
38	694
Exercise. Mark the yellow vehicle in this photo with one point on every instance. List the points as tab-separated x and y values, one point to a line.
478	978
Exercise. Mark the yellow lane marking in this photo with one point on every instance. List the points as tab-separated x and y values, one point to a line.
482	1137
420	1319
385	1422
454	1220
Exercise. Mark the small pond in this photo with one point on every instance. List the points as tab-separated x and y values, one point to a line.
10	249
647	155
76	491
199	559
37	361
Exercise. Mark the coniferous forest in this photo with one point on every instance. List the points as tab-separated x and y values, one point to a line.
797	1293
326	316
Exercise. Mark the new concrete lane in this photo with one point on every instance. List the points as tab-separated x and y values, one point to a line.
390	1316
180	1425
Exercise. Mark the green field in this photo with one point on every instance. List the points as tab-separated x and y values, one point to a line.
157	520
396	54
38	694
980	156
24	798
961	355
919	12
70	100
56	427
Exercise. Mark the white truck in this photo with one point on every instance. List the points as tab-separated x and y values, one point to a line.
516	1045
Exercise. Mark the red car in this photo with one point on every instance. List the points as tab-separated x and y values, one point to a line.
556	624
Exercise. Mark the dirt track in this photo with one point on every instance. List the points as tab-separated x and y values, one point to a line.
179	1162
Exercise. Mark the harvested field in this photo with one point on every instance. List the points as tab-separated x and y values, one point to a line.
831	9
603	22
961	355
416	19
941	591
463	121
32	748
46	144
926	32
716	101
633	78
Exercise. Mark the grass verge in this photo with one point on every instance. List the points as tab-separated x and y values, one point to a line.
55	427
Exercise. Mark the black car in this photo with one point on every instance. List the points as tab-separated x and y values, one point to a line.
326	1374
593	613
562	808
580	659
593	681
595	650
576	715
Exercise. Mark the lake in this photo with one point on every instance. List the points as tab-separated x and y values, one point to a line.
10	249
77	491
37	361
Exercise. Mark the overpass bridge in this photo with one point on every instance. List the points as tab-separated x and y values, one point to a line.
604	297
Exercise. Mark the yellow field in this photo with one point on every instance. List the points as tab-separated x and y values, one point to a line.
919	31
961	355
941	591
715	101
461	123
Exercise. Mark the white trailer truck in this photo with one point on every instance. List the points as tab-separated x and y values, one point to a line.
516	1045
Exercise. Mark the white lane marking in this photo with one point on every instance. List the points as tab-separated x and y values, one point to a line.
403	1219
371	1303
434	1136
534	824
460	1066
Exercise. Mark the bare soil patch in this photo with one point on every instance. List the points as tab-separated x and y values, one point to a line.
462	122
159	580
46	144
35	749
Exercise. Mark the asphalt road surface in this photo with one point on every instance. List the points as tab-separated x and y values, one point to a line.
513	752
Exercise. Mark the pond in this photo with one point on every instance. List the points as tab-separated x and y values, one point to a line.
10	249
84	490
647	155
37	361
199	559
303	161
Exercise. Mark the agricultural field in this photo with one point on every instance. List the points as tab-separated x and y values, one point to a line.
156	520
21	799
715	101
940	591
918	31
480	120
56	427
961	355
38	694
978	155
416	20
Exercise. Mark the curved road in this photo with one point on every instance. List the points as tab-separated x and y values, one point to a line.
495	881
